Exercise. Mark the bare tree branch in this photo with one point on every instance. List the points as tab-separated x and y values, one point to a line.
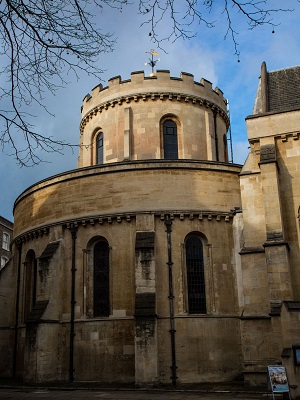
42	40
184	16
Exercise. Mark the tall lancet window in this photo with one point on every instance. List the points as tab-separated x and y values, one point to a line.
195	275
99	148
170	140
101	279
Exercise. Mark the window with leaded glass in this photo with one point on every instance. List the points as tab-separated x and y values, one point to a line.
99	148
195	275
101	279
170	141
5	241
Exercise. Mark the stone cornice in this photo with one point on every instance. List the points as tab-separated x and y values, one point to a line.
270	113
32	234
284	137
205	215
187	98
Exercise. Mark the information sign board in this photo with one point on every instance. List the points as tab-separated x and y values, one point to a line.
278	379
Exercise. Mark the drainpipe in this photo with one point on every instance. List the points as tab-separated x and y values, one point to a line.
216	135
19	247
73	229
172	330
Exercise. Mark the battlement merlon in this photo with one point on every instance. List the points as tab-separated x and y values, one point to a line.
162	82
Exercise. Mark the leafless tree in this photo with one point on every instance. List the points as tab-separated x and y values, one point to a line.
186	16
42	39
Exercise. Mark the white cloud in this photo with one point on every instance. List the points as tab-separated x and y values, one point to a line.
207	56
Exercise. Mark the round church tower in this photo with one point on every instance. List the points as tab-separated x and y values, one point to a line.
126	265
153	118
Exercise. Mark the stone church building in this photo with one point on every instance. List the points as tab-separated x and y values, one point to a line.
157	260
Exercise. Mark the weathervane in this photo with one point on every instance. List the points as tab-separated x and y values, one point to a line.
152	62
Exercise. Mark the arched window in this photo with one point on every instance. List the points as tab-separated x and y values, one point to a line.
99	148
101	279
30	282
170	141
195	275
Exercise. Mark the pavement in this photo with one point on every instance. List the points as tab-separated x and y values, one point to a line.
11	390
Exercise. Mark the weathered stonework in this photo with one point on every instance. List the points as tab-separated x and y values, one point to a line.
130	114
270	193
236	227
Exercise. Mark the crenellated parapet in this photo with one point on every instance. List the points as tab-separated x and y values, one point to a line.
162	87
130	116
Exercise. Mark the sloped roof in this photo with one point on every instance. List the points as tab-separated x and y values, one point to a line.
281	89
5	222
49	250
37	311
284	89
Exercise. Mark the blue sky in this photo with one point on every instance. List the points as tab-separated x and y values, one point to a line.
207	55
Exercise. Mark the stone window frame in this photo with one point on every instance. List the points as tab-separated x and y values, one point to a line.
94	148
89	278
5	241
205	245
174	118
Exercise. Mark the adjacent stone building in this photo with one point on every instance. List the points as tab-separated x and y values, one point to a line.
6	235
270	258
157	258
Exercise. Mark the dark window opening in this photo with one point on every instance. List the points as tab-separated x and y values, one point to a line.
30	283
99	147
170	140
195	275
101	279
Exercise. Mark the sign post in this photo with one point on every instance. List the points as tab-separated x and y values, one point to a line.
278	381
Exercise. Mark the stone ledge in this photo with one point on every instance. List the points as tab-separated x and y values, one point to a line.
251	250
218	216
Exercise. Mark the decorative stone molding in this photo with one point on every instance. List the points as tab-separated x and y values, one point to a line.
202	215
126	217
284	137
32	234
154	96
289	135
